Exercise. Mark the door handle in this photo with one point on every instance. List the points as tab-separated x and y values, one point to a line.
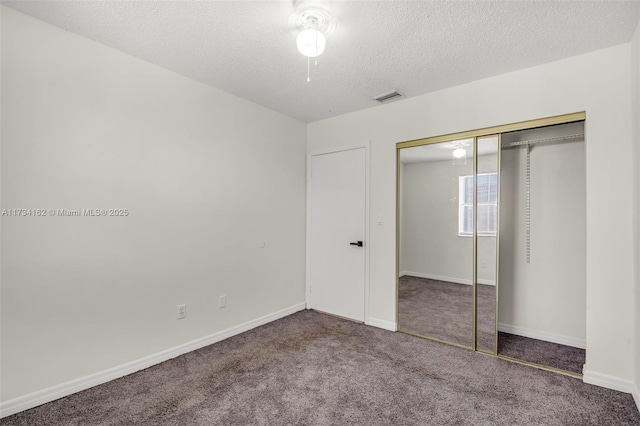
359	244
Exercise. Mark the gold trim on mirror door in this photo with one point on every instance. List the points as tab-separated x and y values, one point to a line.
398	239
533	365
540	366
474	272
435	339
522	125
494	350
497	272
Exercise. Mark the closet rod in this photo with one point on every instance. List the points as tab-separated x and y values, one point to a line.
528	144
518	144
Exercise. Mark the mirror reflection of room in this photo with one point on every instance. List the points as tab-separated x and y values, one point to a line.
491	248
435	297
542	265
486	242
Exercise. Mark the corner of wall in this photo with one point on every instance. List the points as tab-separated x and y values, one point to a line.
635	114
166	148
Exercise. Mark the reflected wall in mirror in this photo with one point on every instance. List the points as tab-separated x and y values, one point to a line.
435	292
486	242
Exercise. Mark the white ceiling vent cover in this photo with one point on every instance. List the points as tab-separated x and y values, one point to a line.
386	97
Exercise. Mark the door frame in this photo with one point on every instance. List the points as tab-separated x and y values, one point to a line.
366	145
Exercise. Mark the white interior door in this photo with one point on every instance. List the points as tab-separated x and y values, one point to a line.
337	222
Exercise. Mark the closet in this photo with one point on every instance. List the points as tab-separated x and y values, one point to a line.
491	248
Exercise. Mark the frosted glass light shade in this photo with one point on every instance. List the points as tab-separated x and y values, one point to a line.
459	153
311	42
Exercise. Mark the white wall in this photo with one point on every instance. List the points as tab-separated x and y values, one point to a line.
429	241
205	176
598	83
635	111
548	295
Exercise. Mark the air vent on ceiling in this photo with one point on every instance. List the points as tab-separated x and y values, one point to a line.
386	97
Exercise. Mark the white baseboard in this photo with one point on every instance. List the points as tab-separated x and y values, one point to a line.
436	277
636	395
543	335
386	325
52	393
443	278
607	381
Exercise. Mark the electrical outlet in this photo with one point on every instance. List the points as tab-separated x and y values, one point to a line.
182	311
222	301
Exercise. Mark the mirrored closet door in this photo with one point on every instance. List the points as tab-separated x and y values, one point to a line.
435	290
487	191
491	241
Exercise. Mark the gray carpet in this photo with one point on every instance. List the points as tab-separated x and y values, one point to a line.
444	310
314	369
544	353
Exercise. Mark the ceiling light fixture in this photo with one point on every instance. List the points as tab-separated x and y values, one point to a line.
459	153
315	23
311	42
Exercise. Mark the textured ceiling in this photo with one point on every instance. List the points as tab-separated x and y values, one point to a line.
248	48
